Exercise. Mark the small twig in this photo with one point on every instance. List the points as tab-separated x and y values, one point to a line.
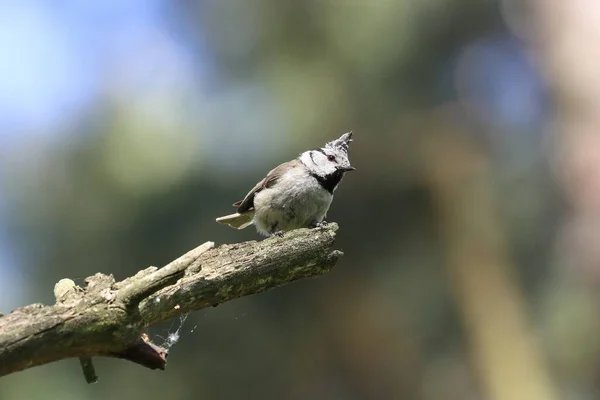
138	289
89	372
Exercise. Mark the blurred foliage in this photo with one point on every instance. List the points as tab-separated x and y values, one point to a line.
137	177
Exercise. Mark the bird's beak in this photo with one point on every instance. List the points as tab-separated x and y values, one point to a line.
348	168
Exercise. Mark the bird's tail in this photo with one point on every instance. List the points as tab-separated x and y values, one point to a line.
237	220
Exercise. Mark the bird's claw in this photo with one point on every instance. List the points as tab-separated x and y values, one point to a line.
319	224
278	234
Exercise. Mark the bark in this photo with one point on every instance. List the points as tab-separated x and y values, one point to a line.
107	318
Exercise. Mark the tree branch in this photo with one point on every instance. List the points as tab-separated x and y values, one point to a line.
106	318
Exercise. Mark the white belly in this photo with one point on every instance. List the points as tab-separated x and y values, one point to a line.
295	201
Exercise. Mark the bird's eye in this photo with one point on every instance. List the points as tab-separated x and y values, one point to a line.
331	158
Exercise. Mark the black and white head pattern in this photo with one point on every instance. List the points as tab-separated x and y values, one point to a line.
329	163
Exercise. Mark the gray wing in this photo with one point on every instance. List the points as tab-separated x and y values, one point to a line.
272	177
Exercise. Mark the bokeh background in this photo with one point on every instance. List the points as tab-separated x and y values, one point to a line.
470	227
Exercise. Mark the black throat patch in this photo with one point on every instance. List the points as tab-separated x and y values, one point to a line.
329	182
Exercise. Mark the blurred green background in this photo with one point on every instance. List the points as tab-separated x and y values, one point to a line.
126	127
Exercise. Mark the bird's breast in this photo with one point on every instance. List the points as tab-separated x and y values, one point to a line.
297	192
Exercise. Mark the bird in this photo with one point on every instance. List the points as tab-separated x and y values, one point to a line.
295	194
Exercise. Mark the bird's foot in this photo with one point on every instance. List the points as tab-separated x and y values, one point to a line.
316	224
277	234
